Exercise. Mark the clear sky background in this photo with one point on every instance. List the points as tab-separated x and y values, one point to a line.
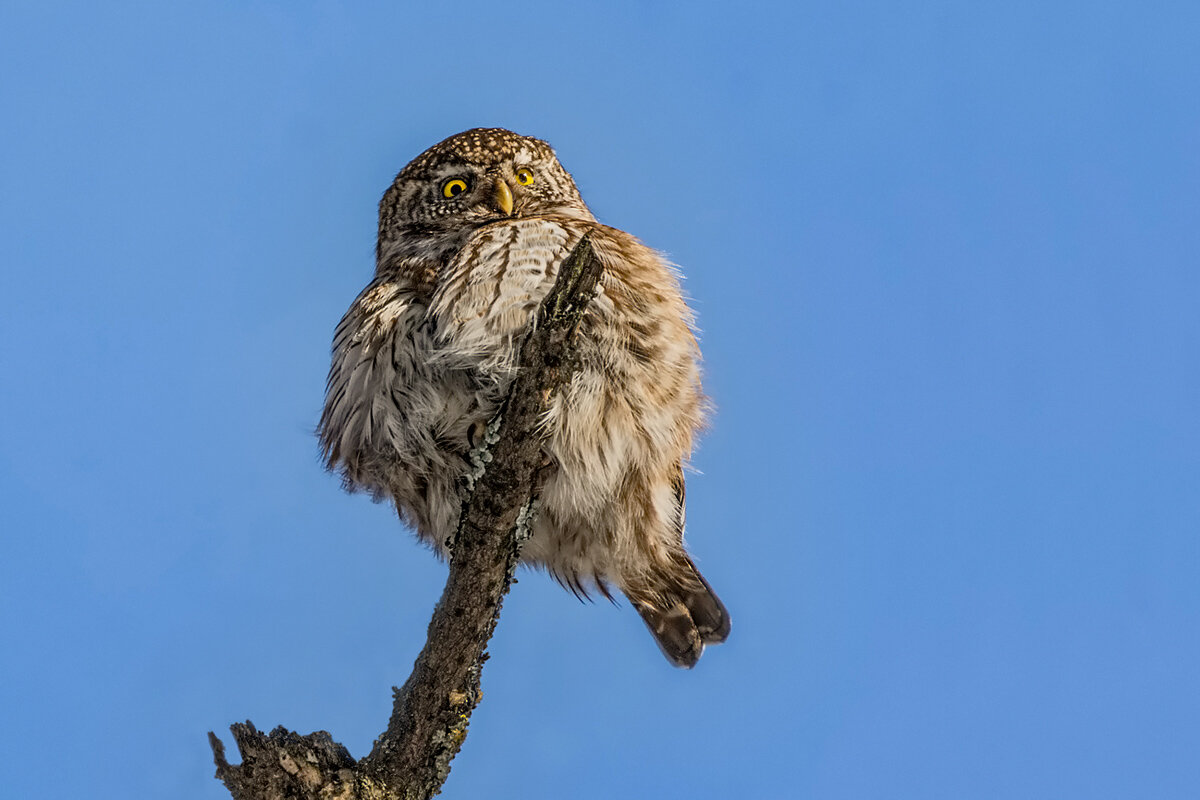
945	260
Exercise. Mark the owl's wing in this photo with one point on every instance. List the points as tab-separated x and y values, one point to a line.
679	486
682	612
365	371
705	608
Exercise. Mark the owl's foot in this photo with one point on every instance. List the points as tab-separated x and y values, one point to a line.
475	433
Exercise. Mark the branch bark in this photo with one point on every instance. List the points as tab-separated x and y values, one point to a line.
430	713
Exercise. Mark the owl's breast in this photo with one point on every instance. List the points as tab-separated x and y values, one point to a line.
492	288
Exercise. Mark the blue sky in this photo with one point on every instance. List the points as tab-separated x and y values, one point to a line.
944	257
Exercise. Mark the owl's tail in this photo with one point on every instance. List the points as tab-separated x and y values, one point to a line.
684	617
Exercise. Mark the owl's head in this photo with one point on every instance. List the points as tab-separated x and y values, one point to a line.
479	176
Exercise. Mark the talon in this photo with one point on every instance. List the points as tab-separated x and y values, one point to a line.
474	432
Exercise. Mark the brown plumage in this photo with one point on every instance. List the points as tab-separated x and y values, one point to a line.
470	236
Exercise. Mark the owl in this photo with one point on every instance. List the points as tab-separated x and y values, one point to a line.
471	234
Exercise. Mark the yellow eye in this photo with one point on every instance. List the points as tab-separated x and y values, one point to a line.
454	187
524	176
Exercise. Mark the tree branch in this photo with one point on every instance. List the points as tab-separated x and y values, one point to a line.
431	712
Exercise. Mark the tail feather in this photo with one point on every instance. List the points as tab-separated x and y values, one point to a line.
676	634
684	620
708	612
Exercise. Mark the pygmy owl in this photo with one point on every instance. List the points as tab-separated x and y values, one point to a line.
471	234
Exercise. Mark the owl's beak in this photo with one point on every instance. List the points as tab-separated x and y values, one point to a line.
503	198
